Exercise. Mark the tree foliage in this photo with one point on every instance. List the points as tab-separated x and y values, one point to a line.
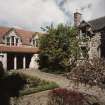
57	47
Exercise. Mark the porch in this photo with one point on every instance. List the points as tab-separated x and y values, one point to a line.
14	57
18	61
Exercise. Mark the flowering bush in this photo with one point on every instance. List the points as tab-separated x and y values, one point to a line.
65	97
90	72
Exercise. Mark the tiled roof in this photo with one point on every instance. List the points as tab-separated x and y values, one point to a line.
98	24
18	49
3	30
24	34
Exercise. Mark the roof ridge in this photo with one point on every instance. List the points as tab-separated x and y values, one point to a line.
16	28
97	19
25	30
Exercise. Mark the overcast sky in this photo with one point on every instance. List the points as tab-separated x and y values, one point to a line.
32	14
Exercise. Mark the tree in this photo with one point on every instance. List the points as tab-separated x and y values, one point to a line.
10	85
57	47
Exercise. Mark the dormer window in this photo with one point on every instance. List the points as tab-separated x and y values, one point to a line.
35	41
17	41
12	39
8	40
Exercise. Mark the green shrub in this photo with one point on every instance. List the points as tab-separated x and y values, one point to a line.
41	87
54	71
10	85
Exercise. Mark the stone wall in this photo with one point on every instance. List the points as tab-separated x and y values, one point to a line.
94	46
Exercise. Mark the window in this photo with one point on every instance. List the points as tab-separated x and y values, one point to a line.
17	41
11	40
8	40
35	42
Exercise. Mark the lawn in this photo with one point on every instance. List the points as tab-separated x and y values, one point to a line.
35	84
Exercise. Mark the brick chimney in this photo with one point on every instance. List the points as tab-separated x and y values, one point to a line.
77	18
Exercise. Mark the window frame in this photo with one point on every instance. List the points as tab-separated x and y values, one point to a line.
13	40
35	41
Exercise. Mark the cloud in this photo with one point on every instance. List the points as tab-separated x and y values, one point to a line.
32	14
62	4
90	9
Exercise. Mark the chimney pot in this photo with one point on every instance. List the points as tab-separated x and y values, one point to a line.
77	18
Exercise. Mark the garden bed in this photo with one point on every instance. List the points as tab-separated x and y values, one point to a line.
35	84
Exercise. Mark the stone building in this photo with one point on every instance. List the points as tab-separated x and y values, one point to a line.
18	48
94	30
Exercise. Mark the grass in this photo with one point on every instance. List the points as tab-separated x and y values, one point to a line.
55	71
39	88
35	84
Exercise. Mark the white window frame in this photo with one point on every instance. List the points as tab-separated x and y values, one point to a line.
35	41
10	43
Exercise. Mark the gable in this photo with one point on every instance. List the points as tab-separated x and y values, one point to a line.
24	35
35	36
12	33
96	25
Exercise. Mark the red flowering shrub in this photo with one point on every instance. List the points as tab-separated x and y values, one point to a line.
65	97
